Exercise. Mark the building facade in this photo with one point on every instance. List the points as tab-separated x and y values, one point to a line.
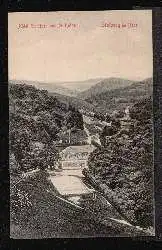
75	157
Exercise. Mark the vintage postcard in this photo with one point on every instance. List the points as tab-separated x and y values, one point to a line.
81	124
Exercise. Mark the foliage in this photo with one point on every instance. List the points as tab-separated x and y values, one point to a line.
99	116
37	118
125	164
111	98
110	130
74	119
25	192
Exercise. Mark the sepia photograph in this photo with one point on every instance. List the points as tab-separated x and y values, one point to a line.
81	129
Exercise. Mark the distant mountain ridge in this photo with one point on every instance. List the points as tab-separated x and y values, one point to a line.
80	86
74	88
121	97
105	85
69	88
54	87
101	94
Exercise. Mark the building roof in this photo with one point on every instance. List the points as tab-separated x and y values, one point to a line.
78	149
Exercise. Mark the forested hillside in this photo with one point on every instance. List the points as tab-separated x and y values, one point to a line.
36	120
104	85
78	103
121	97
125	164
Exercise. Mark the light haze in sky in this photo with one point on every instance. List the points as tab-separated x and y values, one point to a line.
86	52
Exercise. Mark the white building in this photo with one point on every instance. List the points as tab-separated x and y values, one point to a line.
75	157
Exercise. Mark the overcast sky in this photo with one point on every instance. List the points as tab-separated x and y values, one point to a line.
76	54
